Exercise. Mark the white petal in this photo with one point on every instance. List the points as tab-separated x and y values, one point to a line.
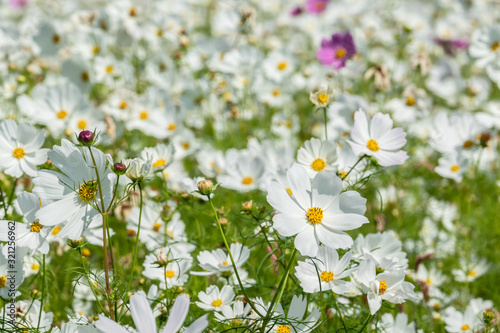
177	314
142	314
306	242
300	185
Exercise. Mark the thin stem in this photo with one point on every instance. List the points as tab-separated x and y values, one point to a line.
368	320
276	298
326	123
249	301
340	313
114	194
352	168
91	285
104	239
43	293
137	237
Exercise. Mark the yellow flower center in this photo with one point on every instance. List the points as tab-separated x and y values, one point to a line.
3	281
468	144
283	329
247	180
169	274
87	191
86	252
62	114
85	76
315	215
343	174
465	327
18	152
495	46
428	282
157	226
144	115
159	32
217	303
56	230
96	49
82	124
382	287
327	276
436	306
372	145
318	164
276	92
36	227
225	263
159	163
132	12
472	273
340	52
123	105
109	69
289	191
410	101
455	168
56	39
35	267
282	65
323	98
171	127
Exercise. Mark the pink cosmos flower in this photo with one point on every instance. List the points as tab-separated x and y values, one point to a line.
316	6
335	51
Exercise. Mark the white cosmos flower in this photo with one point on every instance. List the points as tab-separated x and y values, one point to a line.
30	234
20	150
316	211
238	312
458	322
317	155
485	45
378	139
214	299
325	272
218	261
145	321
175	273
73	191
11	275
137	168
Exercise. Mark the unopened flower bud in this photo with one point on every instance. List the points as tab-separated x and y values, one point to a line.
74	243
205	186
223	221
119	168
488	317
35	293
162	259
247	205
86	138
484	138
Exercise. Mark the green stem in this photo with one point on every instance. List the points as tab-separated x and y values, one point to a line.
137	237
43	293
249	301
114	194
352	168
368	320
277	296
340	313
91	285
104	239
326	123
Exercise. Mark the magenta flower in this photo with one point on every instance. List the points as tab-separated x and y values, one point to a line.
451	46
316	6
335	51
18	3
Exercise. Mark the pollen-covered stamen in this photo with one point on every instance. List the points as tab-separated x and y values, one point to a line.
217	303
171	127
169	274
472	273
144	115
323	98
55	230
62	114
247	181
282	65
225	263
85	76
327	276
289	191
276	92
87	191
382	287
36	227
455	168
340	53
318	164
35	267
159	163
18	152
465	327
428	281
82	124
468	144
109	69
315	215
372	145
157	226
56	39
495	46
283	329
3	281
410	101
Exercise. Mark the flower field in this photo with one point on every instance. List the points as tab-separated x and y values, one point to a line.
249	166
